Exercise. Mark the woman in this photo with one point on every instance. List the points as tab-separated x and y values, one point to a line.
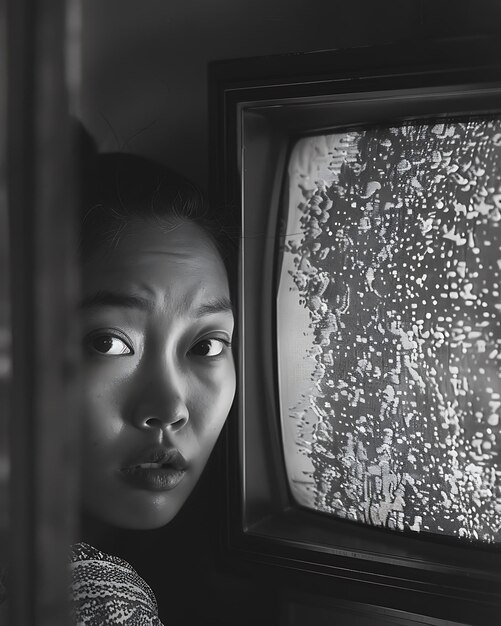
158	371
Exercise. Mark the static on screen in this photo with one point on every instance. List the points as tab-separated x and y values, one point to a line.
389	326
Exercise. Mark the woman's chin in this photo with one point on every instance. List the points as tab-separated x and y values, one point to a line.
138	509
148	521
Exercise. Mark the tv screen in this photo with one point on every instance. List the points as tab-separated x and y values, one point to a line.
389	325
364	452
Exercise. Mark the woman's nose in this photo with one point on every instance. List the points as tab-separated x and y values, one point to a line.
160	404
171	422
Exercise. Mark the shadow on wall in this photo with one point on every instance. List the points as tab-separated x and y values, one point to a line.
145	67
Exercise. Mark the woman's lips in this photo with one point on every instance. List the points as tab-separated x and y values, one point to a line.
153	479
157	469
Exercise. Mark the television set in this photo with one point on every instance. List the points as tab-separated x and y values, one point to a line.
364	453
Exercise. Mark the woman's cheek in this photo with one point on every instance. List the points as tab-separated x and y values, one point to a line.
101	413
223	395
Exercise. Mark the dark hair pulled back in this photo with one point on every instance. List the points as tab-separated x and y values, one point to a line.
119	188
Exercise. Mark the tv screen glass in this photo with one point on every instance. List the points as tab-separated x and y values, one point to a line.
389	325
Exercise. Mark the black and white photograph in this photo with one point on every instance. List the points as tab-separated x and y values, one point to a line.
250	313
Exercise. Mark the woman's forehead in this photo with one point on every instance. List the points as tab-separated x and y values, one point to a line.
170	235
181	262
174	239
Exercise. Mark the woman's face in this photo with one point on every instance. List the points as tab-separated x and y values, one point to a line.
158	373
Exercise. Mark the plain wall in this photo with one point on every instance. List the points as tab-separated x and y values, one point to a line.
144	86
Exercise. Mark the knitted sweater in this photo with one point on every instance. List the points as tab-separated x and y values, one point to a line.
106	590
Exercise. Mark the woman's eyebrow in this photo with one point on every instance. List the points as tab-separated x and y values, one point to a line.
116	299
218	305
133	301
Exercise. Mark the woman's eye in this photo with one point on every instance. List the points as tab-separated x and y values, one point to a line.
108	345
209	347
